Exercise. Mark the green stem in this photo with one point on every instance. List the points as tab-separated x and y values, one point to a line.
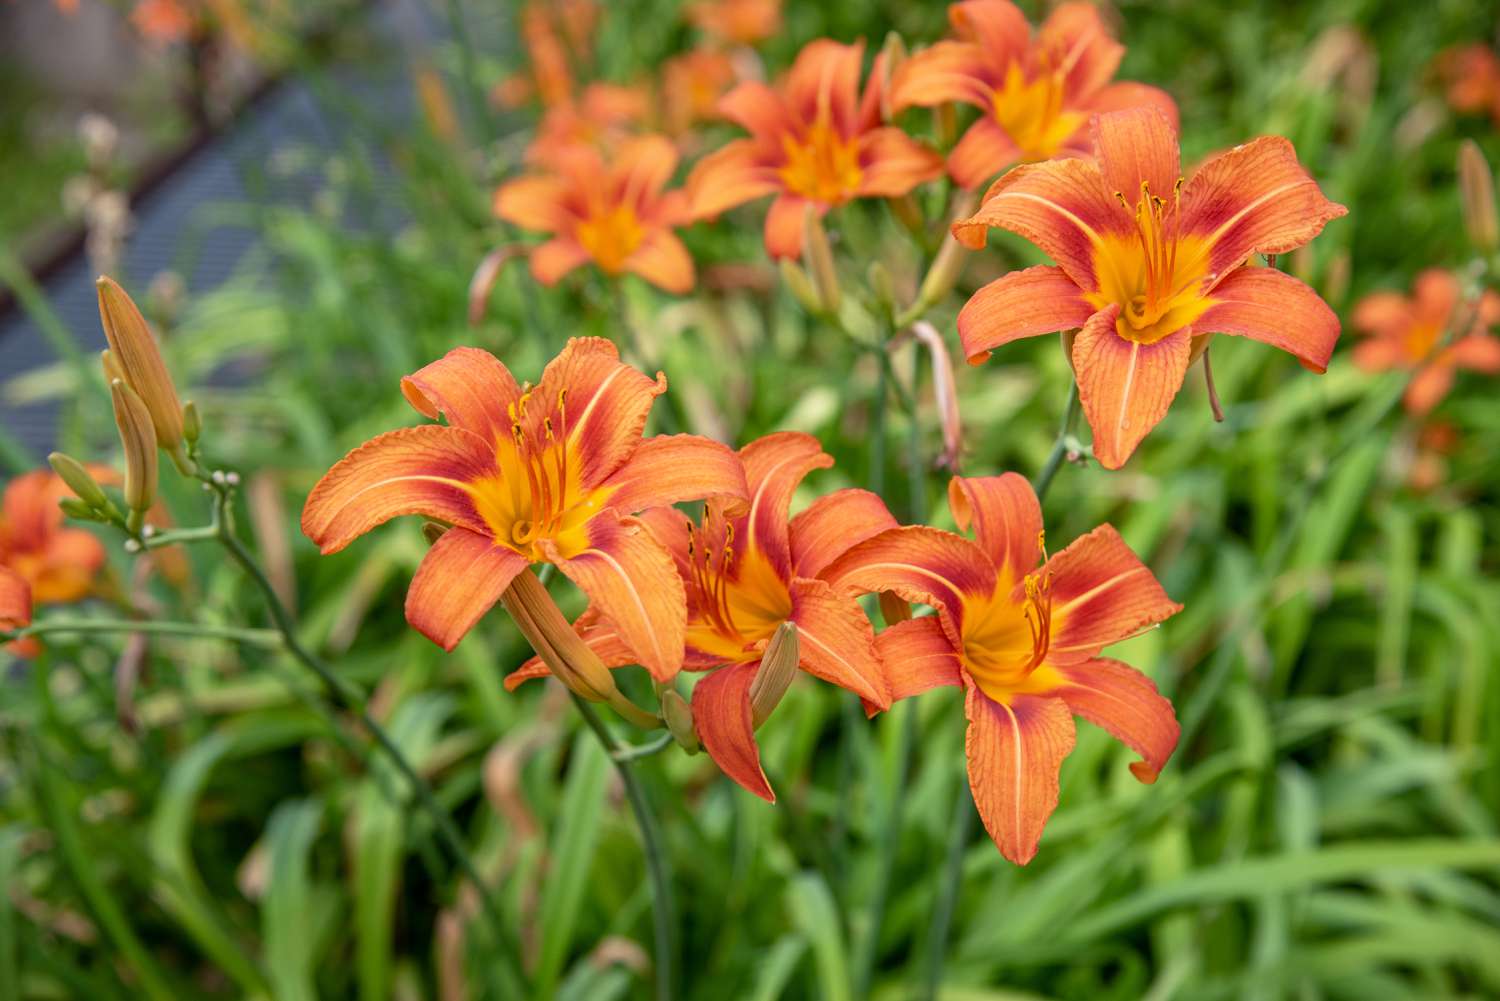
199	630
1059	447
635	752
663	911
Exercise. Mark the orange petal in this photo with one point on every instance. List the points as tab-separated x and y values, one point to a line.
823	84
30	506
939	74
1061	206
728	177
1477	352
1137	146
607	404
1434	294
634	583
1039	300
1428	387
1101	593
998	26
918	656
1015	752
1383	313
597	632
836	641
721	714
775	464
458	581
670	469
552	260
642	167
663	261
984	150
1007	520
1256	198
920	564
1125	386
423	470
1125	702
784	225
1078	30
1128	94
536	203
755	108
1380	354
1276	309
892	163
15	600
470	387
833	523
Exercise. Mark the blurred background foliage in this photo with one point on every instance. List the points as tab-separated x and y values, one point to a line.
204	826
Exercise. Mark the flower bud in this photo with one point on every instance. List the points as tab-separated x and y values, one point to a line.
679	716
485	276
908	214
818	254
133	346
78	480
881	285
892	55
948	265
139	440
192	423
802	290
778	666
75	508
894	608
1477	185
944	394
111	366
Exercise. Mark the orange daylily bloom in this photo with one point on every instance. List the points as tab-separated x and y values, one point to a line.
544	474
1404	333
1035	94
746	573
1023	641
743	22
57	562
1471	75
1147	264
814	141
556	37
691	85
613	214
603	118
163	21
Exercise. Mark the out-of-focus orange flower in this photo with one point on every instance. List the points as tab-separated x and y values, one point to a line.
691	85
743	22
525	475
1471	75
614	214
746	574
814	142
15	600
1035	95
163	21
58	563
1429	465
558	37
1023	641
1148	264
1404	333
66	6
603	118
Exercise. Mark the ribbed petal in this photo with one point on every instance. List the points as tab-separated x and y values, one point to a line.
1014	753
721	714
458	581
1101	593
670	469
1077	30
1028	303
728	177
892	163
607	404
1125	386
823	84
997	26
832	524
983	151
836	641
774	466
920	564
470	387
1276	309
1125	702
1137	146
918	656
942	73
1006	517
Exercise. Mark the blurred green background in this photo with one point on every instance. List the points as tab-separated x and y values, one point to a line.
208	827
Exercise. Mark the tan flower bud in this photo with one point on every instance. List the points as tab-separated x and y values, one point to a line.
78	480
134	347
1477	185
818	254
778	666
111	366
894	608
679	716
192	423
892	55
802	290
944	394
881	286
138	437
948	266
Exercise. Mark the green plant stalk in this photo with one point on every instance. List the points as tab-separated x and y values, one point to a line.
663	911
196	630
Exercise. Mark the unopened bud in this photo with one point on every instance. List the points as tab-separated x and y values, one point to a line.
796	279
894	608
78	480
139	441
818	254
881	286
192	423
908	214
432	531
778	666
75	508
679	716
948	265
1477	185
564	652
892	55
111	366
944	394
134	347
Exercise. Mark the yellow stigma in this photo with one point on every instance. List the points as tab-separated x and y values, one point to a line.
822	165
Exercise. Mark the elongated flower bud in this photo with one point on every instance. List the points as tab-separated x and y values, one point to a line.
892	55
134	347
818	254
139	439
192	423
778	666
564	652
111	366
948	265
944	394
802	290
679	716
78	480
1477	185
75	508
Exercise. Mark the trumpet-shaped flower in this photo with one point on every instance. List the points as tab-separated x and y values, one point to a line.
1023	641
691	85
615	215
743	22
1147	263
526	474
1035	94
57	563
1406	333
746	574
814	142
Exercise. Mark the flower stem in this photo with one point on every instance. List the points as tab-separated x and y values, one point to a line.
197	630
1059	447
663	909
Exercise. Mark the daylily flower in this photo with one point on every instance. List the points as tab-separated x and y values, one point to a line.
1404	333
743	22
556	37
603	117
1023	641
613	214
691	85
814	142
1035	94
1471	75
164	21
58	563
544	474
746	574
1148	264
